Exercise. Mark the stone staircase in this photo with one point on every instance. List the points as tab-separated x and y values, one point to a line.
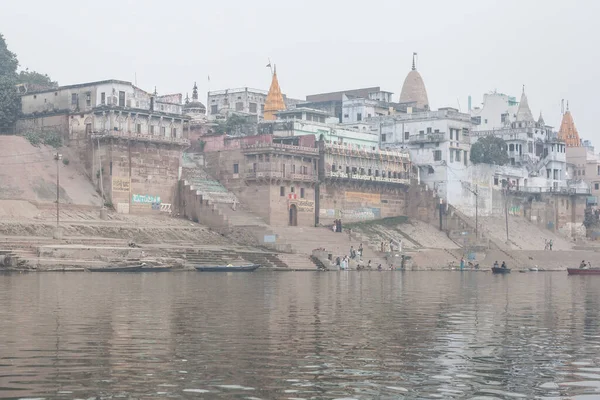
303	240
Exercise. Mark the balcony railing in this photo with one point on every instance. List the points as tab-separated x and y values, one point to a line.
562	190
401	178
279	147
427	137
272	174
140	137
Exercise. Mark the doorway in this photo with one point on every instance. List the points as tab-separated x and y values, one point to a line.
293	215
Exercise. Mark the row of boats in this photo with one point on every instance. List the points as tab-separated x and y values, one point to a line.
202	268
570	271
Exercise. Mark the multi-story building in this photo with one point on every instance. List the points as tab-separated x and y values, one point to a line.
497	110
243	101
129	140
438	142
304	121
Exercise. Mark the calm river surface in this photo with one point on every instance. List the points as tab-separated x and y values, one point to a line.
299	335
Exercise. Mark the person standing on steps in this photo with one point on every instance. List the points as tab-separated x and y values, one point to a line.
360	250
462	263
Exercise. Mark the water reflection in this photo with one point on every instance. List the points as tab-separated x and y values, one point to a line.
299	335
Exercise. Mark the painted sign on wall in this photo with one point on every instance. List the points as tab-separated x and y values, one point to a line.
145	199
304	205
362	213
359	197
120	184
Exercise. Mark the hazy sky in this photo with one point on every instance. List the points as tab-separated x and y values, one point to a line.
465	47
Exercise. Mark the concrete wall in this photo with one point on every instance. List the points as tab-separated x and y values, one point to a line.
139	177
54	123
360	202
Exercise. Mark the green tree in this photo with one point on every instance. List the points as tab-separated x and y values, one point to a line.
8	60
489	150
10	101
36	80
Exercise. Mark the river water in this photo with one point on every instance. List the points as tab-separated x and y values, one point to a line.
299	335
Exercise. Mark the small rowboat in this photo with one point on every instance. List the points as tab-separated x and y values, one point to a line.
583	271
127	268
225	268
498	270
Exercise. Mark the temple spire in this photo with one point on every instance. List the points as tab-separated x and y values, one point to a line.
195	92
414	67
568	131
274	101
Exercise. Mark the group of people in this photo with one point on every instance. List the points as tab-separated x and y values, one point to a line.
548	244
583	265
337	226
503	266
389	247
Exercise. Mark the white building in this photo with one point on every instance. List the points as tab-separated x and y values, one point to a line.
497	109
244	101
438	142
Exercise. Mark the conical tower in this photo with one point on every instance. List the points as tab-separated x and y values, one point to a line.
413	89
568	131
274	101
524	112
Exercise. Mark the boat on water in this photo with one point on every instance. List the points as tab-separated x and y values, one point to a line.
227	268
498	270
583	271
534	269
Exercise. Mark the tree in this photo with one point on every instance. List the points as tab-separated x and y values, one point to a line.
489	150
10	102
8	60
36	80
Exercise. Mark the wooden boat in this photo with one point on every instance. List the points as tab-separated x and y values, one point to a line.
498	270
225	268
582	271
125	268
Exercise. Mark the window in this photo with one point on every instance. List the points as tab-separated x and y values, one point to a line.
437	155
88	128
152	129
74	99
239	106
88	99
292	189
429	130
282	191
511	147
262	108
495	181
451	133
301	193
174	132
359	116
530	147
253	108
236	168
406	135
465	157
214	109
476	120
421	132
346	115
383	137
103	98
293	168
486	121
457	132
598	169
121	99
138	128
597	186
368	115
457	155
451	155
163	130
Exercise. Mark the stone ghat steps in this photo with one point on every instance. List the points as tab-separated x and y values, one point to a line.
223	257
304	240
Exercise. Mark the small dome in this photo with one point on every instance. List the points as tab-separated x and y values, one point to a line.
413	90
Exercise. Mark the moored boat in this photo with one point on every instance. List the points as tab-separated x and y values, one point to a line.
498	270
583	271
125	268
227	268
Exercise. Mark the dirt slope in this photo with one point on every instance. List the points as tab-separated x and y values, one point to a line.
29	173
